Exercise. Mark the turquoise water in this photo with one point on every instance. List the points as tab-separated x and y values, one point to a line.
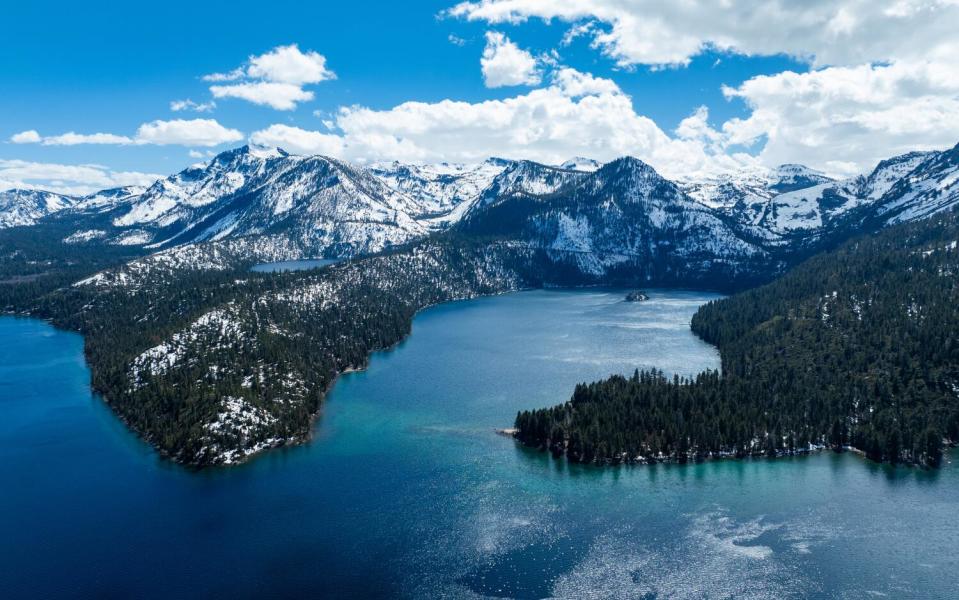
293	265
406	490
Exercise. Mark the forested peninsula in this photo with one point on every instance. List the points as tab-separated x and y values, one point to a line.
855	349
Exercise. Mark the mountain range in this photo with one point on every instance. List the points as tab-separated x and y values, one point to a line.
598	217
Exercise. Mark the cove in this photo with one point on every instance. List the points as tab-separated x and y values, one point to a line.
407	491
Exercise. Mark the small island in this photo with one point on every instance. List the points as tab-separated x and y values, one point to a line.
636	296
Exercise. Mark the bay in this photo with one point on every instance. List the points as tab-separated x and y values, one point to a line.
406	490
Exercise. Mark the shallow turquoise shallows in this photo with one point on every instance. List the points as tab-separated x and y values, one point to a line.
407	491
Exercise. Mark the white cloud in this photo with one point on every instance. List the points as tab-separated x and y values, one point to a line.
576	115
233	75
281	96
873	91
696	127
70	138
299	141
73	139
456	40
180	105
857	115
193	132
274	79
504	63
26	137
828	32
288	64
67	179
576	83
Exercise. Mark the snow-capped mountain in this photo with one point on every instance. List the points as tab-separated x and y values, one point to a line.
306	205
25	207
324	206
623	213
287	206
445	190
899	189
752	185
106	200
790	177
524	178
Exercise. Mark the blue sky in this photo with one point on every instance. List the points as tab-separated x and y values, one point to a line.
69	67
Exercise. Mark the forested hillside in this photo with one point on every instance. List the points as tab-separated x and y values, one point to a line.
212	366
854	348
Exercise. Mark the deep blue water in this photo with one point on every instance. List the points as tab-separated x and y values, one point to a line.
406	490
293	265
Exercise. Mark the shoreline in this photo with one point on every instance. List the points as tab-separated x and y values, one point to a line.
644	461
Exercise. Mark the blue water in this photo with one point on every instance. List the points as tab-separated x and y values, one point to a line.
406	490
293	265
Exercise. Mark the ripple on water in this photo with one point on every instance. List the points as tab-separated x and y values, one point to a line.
716	556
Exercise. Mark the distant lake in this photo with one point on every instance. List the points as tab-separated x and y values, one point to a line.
294	265
407	491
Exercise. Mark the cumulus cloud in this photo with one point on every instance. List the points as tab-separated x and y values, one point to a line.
67	179
26	137
192	132
871	92
696	127
826	32
181	105
273	79
299	141
853	115
504	63
195	132
281	96
576	114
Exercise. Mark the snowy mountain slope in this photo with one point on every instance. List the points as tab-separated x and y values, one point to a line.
899	189
106	200
751	185
25	207
323	205
931	186
791	177
307	206
623	213
440	188
524	178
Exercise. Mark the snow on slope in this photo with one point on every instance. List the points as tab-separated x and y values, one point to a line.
25	207
440	188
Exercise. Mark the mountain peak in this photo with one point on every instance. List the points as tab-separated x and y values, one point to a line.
247	151
580	163
789	177
265	152
627	164
496	161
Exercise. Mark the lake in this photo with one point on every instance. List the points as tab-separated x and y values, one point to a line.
407	491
